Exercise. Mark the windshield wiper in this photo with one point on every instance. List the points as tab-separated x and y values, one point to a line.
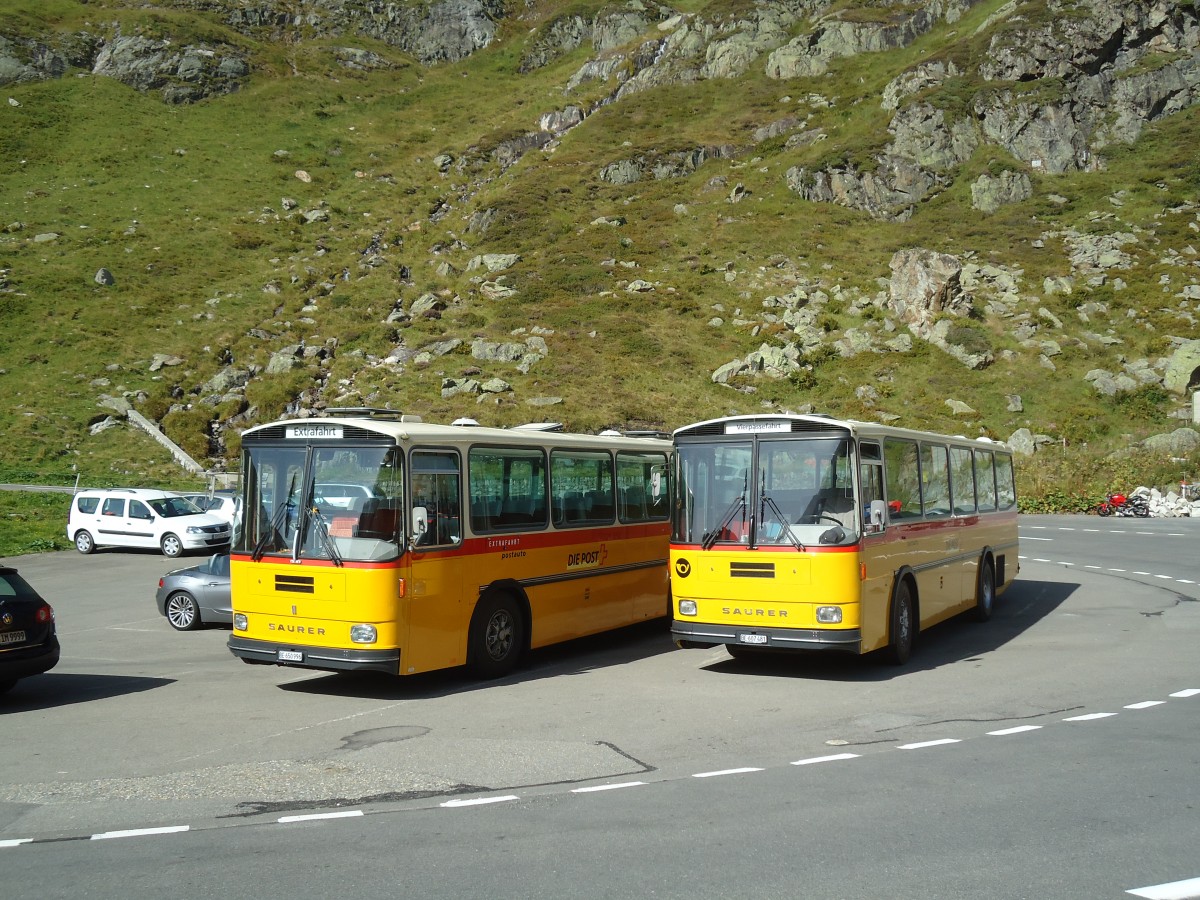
768	503
738	504
277	522
324	537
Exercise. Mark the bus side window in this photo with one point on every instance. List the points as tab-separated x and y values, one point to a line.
435	488
902	472
962	481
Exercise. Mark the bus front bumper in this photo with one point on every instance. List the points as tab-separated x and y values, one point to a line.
329	659
697	634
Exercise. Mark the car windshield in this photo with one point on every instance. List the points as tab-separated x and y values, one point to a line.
170	507
217	564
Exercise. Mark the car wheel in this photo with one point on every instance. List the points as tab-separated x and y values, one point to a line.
172	546
6	686
497	636
903	630
182	611
985	591
84	543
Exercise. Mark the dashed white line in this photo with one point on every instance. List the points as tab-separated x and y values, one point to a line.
479	801
1015	730
139	832
821	759
1181	890
606	787
1175	890
312	817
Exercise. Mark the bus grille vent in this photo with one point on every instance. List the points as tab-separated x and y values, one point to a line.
294	584
751	570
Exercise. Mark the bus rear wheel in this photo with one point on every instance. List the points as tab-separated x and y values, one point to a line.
985	591
902	629
497	636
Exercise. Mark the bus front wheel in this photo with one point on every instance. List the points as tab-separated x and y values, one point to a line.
902	630
497	636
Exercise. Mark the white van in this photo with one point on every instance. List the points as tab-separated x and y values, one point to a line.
141	517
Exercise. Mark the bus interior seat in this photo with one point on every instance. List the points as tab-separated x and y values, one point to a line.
836	503
572	506
633	504
599	506
379	519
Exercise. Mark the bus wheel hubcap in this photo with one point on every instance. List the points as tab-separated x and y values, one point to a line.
499	635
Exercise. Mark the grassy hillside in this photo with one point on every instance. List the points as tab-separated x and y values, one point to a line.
185	206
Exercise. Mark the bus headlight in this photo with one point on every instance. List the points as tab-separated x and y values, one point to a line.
829	615
239	622
687	607
363	634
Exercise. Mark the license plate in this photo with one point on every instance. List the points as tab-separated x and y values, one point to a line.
752	638
12	637
290	656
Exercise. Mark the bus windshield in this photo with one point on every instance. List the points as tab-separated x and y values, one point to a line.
337	503
789	491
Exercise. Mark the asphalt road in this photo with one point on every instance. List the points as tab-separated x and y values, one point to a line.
443	786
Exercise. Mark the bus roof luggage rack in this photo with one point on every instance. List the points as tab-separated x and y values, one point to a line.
369	412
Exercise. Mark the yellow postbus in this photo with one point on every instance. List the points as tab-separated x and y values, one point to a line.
809	533
373	541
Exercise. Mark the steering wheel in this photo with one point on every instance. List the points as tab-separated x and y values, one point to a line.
818	517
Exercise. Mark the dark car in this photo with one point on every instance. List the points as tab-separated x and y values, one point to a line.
28	640
197	595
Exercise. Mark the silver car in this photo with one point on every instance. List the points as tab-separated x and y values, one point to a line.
197	595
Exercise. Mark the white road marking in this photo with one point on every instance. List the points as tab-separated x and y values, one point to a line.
923	744
1015	730
820	759
1036	539
1089	717
16	843
1189	692
1146	704
1175	890
725	772
139	832
480	801
606	787
344	814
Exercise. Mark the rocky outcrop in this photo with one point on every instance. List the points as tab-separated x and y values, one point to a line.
447	31
180	74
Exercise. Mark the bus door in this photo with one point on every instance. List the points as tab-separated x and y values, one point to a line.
878	566
438	614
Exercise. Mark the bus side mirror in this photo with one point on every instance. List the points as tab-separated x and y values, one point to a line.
878	515
420	523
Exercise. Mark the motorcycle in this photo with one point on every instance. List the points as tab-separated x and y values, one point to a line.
1122	505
